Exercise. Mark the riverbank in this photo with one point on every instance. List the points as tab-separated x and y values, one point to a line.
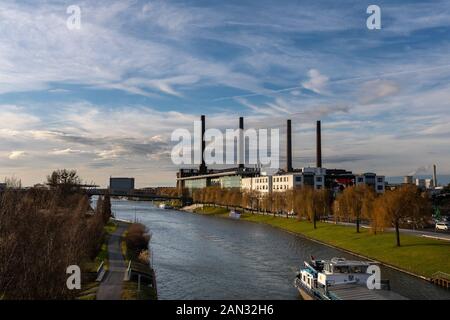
418	256
140	280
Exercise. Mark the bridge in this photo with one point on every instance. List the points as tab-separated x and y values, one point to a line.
137	194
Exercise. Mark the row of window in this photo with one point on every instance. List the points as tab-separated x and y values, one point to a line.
379	179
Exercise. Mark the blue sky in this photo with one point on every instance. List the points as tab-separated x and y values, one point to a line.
104	99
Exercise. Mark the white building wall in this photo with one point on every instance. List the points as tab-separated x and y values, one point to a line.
262	184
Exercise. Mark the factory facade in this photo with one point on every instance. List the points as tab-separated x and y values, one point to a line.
288	178
121	184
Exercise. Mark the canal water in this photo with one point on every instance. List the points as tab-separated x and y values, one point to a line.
204	257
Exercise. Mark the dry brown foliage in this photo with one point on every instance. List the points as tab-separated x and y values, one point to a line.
39	239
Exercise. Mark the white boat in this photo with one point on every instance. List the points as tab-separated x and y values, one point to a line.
234	214
339	279
164	206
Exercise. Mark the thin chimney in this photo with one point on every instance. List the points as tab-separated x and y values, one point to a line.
241	146
318	146
289	147
203	165
434	176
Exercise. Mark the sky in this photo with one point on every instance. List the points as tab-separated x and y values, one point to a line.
105	99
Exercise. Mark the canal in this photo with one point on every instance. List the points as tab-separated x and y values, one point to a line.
204	257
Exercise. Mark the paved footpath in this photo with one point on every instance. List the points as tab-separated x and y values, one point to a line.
111	286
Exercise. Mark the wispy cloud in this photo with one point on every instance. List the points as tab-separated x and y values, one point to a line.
14	155
317	82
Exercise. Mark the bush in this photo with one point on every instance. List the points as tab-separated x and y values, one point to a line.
137	240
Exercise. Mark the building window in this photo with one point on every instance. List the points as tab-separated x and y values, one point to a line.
379	188
360	180
380	179
298	179
319	179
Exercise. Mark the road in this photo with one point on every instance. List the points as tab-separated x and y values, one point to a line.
111	286
419	233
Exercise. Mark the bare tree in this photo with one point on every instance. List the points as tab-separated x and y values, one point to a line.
402	203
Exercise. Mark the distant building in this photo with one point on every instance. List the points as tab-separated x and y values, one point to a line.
421	183
313	177
261	184
408	179
2	187
371	180
121	184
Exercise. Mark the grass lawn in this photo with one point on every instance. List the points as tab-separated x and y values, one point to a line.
418	255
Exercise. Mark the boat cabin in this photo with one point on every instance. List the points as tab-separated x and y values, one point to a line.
340	271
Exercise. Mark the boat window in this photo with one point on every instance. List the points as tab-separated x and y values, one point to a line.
341	269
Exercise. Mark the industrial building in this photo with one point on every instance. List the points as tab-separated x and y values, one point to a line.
252	179
424	183
121	185
202	177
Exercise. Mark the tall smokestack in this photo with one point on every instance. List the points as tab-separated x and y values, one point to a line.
318	146
241	143
434	176
289	147
203	165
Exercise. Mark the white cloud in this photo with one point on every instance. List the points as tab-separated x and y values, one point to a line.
15	155
317	82
67	151
375	90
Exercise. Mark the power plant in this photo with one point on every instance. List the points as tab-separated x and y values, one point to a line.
252	178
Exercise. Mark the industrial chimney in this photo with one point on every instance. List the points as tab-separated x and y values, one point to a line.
203	165
434	176
318	146
241	143
289	147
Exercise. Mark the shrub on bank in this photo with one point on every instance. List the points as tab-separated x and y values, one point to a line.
137	240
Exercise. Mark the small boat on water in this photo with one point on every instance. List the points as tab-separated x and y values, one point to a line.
165	206
234	214
339	279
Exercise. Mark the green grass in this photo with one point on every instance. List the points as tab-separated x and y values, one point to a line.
89	291
130	292
110	227
418	255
